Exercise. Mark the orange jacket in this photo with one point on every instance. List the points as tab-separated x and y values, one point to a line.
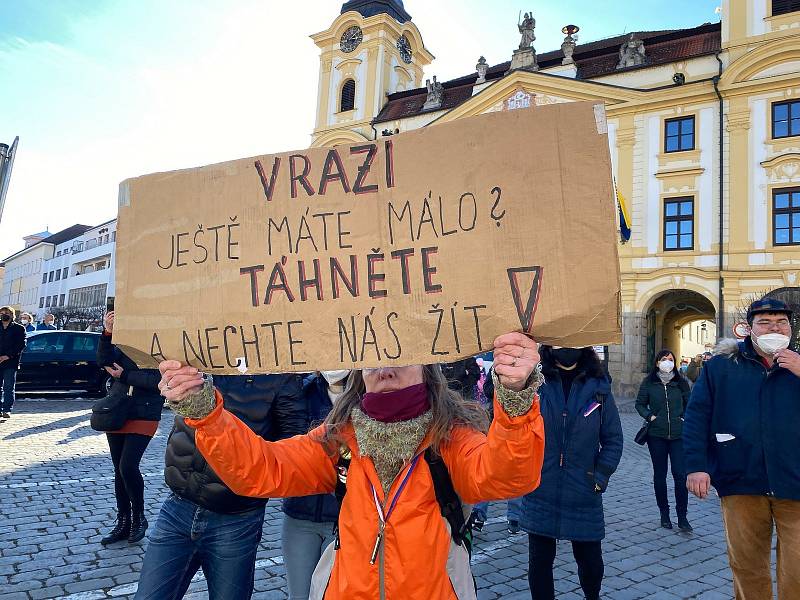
505	464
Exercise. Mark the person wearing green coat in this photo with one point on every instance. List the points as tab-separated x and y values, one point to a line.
662	401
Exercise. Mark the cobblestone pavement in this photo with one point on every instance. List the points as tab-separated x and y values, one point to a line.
56	495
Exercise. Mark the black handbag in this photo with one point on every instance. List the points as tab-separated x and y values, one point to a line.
110	412
641	435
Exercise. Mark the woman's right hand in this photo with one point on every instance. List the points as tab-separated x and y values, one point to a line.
652	418
178	381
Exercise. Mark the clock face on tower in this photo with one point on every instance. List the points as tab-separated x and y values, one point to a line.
351	39
404	47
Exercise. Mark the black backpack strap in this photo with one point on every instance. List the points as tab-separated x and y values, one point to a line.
449	502
342	467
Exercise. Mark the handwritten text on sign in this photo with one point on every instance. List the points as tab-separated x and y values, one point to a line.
415	249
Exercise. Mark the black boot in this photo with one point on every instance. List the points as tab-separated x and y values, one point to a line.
121	530
138	526
683	524
666	522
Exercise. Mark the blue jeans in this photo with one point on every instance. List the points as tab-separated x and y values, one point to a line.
187	537
9	381
303	543
513	512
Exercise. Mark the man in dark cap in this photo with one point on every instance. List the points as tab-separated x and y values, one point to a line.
741	436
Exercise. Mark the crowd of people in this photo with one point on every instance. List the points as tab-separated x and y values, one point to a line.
385	473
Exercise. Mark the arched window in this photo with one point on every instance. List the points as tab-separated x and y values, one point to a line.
348	99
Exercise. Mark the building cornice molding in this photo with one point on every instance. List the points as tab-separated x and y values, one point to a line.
679	172
761	57
793	157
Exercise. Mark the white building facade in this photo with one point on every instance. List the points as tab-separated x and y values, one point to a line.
22	279
80	273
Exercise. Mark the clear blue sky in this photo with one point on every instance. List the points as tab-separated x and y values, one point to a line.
99	91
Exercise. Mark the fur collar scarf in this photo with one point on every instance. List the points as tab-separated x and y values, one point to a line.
728	348
389	445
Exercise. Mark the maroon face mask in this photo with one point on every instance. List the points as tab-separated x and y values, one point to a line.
399	405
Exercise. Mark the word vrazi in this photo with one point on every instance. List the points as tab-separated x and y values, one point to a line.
301	169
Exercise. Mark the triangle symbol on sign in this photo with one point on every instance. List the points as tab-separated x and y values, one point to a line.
525	285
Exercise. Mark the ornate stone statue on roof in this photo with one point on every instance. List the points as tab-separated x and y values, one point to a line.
526	30
435	94
482	67
631	53
568	46
524	57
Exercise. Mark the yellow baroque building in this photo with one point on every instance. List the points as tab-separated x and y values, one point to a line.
704	134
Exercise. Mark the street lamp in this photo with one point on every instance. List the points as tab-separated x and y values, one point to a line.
7	155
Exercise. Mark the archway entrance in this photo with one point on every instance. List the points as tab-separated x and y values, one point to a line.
682	321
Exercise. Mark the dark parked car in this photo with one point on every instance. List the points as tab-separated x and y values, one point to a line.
60	361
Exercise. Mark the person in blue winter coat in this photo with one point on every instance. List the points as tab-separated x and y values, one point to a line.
584	447
740	436
308	522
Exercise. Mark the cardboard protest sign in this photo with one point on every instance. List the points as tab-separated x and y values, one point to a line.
416	248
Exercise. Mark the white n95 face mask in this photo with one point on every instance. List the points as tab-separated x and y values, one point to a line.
772	342
666	366
335	376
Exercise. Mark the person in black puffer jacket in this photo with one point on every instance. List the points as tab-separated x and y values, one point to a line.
203	524
127	444
661	401
308	522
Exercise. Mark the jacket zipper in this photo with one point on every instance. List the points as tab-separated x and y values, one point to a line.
381	581
761	422
561	460
563	437
669	420
381	578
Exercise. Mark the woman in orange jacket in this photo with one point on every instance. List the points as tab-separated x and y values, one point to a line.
393	541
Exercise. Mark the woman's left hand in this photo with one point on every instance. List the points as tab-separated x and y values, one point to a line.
515	357
178	381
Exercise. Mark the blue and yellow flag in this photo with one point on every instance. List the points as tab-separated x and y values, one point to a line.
624	216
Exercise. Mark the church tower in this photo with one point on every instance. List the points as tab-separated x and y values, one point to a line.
372	49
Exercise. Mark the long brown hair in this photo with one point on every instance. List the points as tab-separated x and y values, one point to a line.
449	409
